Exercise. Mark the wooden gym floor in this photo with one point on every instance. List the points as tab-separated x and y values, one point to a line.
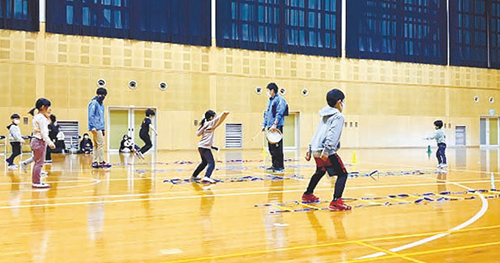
129	214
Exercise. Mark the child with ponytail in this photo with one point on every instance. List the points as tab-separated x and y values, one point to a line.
207	128
40	139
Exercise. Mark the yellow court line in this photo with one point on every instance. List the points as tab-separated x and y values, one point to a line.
282	208
389	252
250	253
487	196
452	249
400	200
310	206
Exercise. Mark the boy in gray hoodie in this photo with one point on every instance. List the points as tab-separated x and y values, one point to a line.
15	138
440	138
323	148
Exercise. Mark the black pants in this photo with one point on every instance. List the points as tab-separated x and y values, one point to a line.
48	154
147	140
276	151
16	151
206	159
440	154
334	166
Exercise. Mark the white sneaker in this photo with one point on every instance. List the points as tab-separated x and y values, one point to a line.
41	185
48	161
24	167
208	180
43	174
444	166
439	166
139	154
12	167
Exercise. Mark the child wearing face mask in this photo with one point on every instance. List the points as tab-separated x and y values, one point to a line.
15	140
97	125
86	145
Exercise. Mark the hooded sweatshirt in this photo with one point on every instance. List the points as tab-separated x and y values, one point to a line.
96	115
14	133
439	136
327	137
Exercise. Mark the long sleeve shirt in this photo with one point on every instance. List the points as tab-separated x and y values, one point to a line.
96	115
327	136
439	136
275	112
15	133
40	128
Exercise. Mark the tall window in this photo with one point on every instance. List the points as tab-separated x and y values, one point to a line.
468	33
292	26
311	27
19	15
177	21
495	34
398	30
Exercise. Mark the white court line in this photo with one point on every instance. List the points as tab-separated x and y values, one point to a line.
197	196
473	219
253	188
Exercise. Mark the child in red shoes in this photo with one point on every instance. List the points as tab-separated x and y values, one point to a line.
323	148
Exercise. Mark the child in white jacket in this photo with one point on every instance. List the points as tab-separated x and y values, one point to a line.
15	138
323	148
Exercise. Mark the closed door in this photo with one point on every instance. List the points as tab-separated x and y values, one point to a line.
493	136
118	126
460	135
126	121
291	131
488	131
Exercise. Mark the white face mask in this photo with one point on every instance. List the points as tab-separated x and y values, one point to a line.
17	122
268	94
343	106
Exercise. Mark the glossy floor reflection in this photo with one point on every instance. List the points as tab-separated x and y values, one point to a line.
128	214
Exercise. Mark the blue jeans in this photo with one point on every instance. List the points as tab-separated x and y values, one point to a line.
206	159
440	154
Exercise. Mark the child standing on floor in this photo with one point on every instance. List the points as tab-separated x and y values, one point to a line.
97	125
144	133
15	140
207	128
323	148
440	138
40	139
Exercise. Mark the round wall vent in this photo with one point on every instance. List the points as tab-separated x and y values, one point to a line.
258	90
132	84
305	92
101	83
163	86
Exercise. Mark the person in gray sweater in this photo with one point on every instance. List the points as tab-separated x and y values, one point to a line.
15	138
440	138
324	146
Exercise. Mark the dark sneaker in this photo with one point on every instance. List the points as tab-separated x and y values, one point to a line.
310	198
279	170
95	165
270	169
338	205
105	165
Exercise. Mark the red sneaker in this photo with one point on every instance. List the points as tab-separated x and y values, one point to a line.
310	198
338	205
